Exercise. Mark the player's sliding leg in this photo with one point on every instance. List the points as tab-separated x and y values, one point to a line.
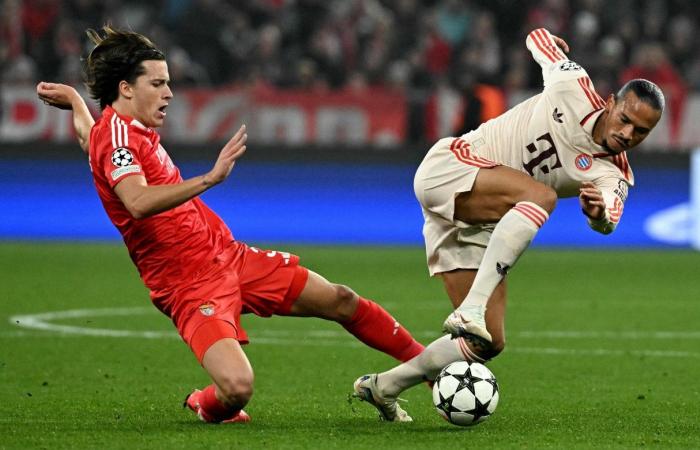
494	192
229	369
382	390
374	326
364	319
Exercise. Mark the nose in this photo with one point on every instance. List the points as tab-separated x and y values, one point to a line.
168	93
627	131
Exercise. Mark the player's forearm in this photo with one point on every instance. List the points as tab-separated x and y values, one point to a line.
82	122
152	200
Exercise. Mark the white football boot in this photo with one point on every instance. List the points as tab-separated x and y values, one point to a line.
389	410
468	322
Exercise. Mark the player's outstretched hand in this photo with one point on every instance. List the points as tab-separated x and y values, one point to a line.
561	43
59	95
591	200
233	150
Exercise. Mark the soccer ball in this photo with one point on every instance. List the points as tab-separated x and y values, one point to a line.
465	393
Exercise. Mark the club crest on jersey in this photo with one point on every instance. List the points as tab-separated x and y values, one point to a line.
122	157
583	162
207	309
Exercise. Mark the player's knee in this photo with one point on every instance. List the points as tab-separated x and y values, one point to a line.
345	304
237	389
545	197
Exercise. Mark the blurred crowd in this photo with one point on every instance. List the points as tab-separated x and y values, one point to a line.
411	45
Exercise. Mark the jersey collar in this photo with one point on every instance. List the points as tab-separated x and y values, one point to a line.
591	120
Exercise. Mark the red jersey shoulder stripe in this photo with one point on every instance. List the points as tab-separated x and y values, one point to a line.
620	160
593	97
597	97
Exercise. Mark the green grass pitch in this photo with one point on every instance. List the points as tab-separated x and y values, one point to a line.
603	351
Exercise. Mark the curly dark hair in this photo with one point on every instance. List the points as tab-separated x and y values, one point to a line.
117	56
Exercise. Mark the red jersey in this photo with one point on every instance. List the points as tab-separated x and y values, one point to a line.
168	247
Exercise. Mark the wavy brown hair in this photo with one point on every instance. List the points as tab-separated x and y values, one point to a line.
117	56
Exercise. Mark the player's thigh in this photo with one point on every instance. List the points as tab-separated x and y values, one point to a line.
496	190
228	366
457	285
321	298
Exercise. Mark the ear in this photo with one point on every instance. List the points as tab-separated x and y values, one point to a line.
610	102
125	90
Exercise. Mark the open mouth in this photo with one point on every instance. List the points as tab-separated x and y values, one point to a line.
161	110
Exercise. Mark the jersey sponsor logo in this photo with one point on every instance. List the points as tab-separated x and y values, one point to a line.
124	170
122	157
622	190
207	309
542	160
556	115
583	162
569	65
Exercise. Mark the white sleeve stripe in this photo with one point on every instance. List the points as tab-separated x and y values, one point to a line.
114	138
120	132
125	130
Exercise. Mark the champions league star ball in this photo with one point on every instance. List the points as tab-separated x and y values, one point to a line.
465	393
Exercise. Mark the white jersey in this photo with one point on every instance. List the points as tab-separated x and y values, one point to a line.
549	136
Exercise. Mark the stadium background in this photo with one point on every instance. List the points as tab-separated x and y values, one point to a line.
342	99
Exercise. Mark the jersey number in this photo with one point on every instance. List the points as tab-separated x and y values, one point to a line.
541	155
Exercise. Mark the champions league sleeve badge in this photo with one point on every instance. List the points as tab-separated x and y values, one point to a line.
122	157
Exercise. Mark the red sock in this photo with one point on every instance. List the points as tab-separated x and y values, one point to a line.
374	326
212	409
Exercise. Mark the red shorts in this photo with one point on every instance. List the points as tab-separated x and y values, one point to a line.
241	280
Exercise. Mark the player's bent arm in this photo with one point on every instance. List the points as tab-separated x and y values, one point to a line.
142	200
65	97
548	50
82	122
545	47
602	204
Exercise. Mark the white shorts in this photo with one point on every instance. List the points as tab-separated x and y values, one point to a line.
448	169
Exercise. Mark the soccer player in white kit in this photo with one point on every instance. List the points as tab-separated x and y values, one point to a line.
485	195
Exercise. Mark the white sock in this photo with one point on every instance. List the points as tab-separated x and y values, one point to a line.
511	236
426	366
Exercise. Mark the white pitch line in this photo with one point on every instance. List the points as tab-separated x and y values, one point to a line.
330	338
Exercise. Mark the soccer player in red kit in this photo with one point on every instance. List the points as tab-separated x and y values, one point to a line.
197	273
